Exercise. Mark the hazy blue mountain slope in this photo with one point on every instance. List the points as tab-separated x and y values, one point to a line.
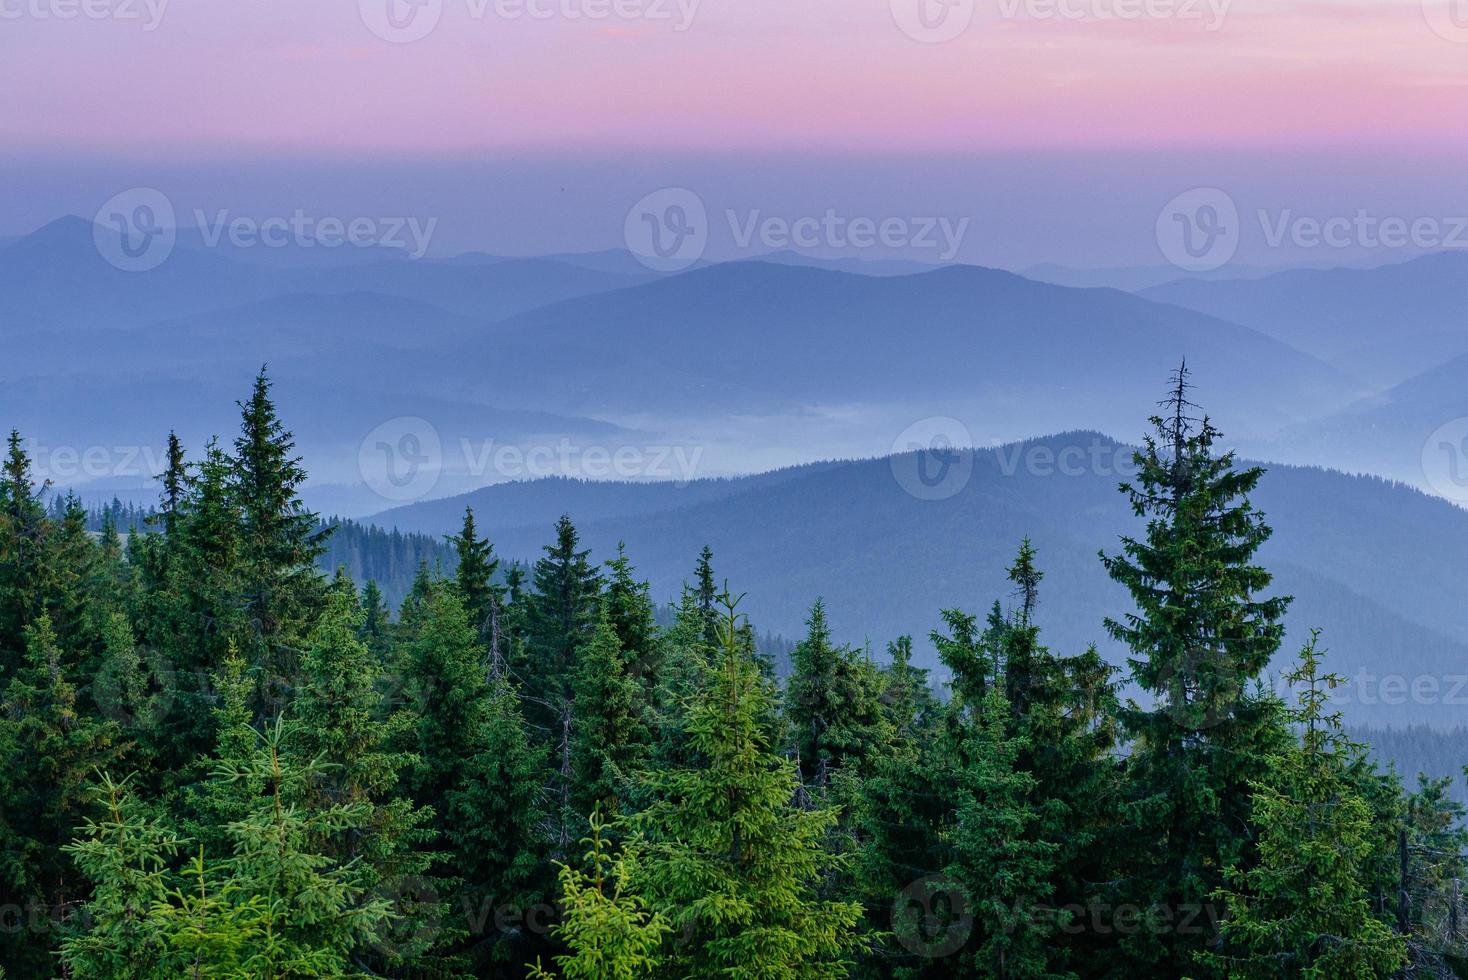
1383	324
1376	565
958	334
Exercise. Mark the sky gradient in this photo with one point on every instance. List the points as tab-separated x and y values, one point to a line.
544	126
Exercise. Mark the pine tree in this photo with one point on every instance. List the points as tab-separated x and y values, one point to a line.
610	739
126	853
483	598
610	933
175	480
318	911
194	617
833	705
280	541
562	609
1436	842
24	531
345	724
495	817
560	617
629	608
729	860
1001	854
1302	911
706	591
52	746
1200	638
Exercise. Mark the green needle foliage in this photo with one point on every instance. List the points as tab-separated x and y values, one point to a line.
610	933
221	762
728	858
1302	910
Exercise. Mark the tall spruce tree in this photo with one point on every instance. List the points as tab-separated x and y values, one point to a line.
364	745
24	571
279	540
475	577
560	617
1199	639
833	704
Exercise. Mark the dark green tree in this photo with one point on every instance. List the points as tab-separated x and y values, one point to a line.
1199	639
1303	910
729	860
610	739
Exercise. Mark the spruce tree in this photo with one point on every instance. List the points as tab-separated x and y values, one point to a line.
560	617
126	852
610	738
346	725
610	933
1199	639
24	532
833	705
1001	852
280	541
477	566
729	860
629	608
318	911
53	746
1303	910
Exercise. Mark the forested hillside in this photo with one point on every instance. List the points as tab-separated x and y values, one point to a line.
883	558
225	764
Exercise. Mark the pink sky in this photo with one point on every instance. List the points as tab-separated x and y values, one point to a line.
824	75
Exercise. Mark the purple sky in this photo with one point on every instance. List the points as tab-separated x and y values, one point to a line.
1058	128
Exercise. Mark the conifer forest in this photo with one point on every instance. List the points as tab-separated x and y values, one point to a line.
225	763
